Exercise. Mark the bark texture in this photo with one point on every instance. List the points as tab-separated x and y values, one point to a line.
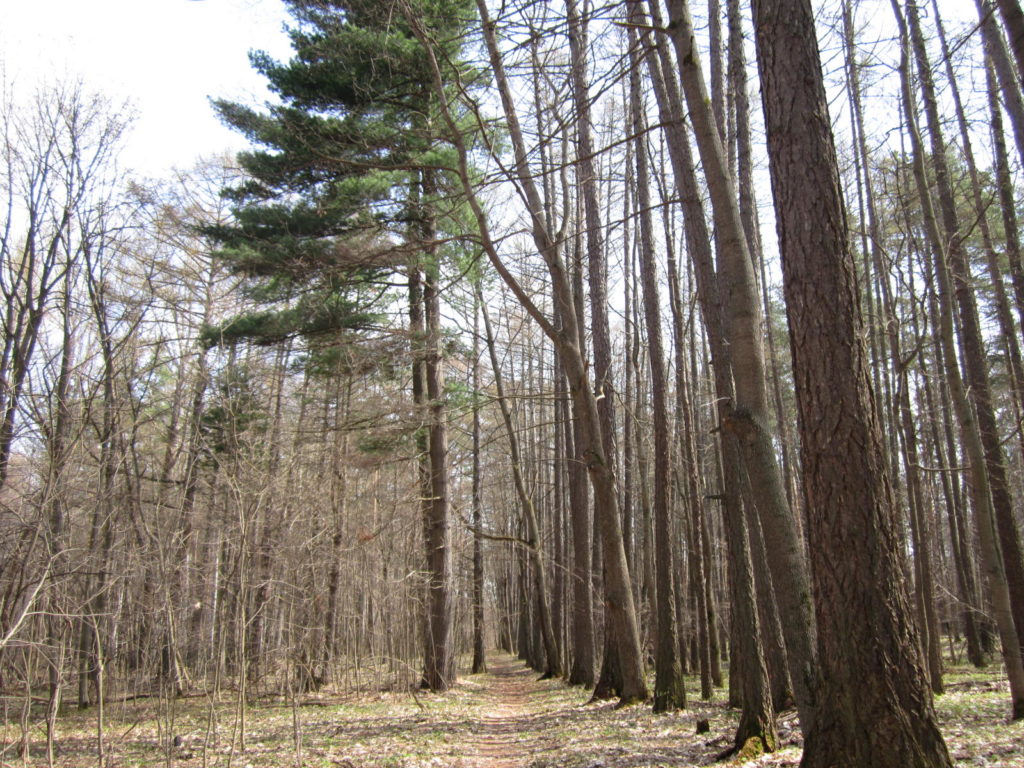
875	706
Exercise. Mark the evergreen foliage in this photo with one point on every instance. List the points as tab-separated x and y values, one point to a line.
347	169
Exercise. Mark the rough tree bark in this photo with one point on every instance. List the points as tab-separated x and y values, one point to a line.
874	708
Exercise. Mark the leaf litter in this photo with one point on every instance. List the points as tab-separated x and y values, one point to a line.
504	719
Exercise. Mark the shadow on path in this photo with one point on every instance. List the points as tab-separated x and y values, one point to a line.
518	715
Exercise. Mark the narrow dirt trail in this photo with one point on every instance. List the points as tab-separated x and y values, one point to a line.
517	714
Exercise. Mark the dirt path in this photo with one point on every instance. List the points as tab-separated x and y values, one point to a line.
518	713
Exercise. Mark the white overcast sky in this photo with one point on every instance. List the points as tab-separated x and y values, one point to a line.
167	57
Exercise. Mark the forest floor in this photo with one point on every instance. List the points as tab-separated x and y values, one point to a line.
503	719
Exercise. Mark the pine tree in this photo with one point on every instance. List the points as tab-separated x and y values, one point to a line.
345	190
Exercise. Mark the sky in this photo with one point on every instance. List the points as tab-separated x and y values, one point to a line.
165	57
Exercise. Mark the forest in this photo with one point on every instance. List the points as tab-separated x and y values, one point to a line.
565	383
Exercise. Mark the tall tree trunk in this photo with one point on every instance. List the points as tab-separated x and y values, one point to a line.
339	515
746	416
771	626
620	607
583	669
417	343
92	637
630	393
941	309
756	730
874	706
981	499
687	461
738	73
57	516
479	656
1003	312
597	280
963	559
748	677
553	659
1004	185
439	672
872	241
669	688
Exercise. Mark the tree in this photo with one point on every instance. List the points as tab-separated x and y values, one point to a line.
552	655
953	258
669	688
1013	19
58	150
348	189
875	707
564	332
479	652
745	414
981	446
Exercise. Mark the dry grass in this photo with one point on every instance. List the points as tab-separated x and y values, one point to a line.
503	720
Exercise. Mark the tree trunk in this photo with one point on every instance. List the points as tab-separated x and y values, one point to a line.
981	499
687	461
621	613
669	688
874	707
972	344
583	669
755	733
439	671
600	339
747	415
756	730
1004	184
479	656
553	659
1013	19
56	518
